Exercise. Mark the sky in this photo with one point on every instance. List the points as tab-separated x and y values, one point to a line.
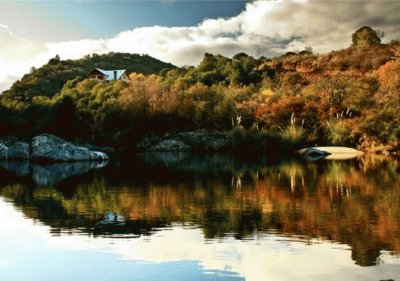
180	31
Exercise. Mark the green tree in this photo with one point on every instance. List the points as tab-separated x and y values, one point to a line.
366	36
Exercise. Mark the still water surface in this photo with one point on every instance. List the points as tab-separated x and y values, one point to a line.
201	217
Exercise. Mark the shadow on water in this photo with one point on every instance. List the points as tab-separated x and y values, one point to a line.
354	202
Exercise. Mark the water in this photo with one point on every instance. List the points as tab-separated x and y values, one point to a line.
201	217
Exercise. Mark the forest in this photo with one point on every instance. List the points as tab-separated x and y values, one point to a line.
345	97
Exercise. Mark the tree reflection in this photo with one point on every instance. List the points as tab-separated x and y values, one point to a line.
353	202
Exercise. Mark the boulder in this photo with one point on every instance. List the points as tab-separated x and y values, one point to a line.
329	153
313	154
147	143
105	149
170	145
18	151
204	139
52	148
3	151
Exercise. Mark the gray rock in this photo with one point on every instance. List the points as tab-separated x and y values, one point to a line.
196	140
98	156
203	139
3	151
18	151
170	145
49	147
147	143
9	140
105	149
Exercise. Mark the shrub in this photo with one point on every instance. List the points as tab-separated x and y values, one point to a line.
341	132
293	135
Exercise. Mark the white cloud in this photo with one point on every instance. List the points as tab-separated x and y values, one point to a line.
266	28
76	49
16	55
6	80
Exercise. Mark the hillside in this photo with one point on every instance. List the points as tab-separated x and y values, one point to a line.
345	97
51	77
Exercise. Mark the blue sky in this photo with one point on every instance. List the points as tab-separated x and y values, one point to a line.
69	20
181	31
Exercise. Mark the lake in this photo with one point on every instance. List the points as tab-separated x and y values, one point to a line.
180	216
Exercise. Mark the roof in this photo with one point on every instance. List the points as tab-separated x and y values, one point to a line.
110	73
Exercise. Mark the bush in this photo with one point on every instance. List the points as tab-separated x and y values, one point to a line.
293	135
340	132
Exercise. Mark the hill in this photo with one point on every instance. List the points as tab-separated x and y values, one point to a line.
49	79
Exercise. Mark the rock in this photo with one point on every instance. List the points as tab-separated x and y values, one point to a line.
196	140
3	151
313	154
147	143
18	151
170	145
105	149
52	148
8	140
329	153
204	140
98	156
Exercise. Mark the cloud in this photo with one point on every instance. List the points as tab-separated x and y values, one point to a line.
6	80
267	28
76	49
17	55
4	263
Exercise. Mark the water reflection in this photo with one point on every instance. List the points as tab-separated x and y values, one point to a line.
19	168
356	203
55	173
50	174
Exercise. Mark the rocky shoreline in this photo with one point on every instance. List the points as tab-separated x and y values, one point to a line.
47	147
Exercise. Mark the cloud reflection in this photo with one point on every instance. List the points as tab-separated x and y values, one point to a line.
263	257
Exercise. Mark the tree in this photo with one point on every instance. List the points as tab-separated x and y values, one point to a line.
366	36
55	60
64	119
306	51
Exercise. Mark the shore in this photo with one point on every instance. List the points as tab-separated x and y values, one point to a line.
236	141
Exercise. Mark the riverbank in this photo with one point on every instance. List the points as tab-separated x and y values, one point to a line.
242	140
236	141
